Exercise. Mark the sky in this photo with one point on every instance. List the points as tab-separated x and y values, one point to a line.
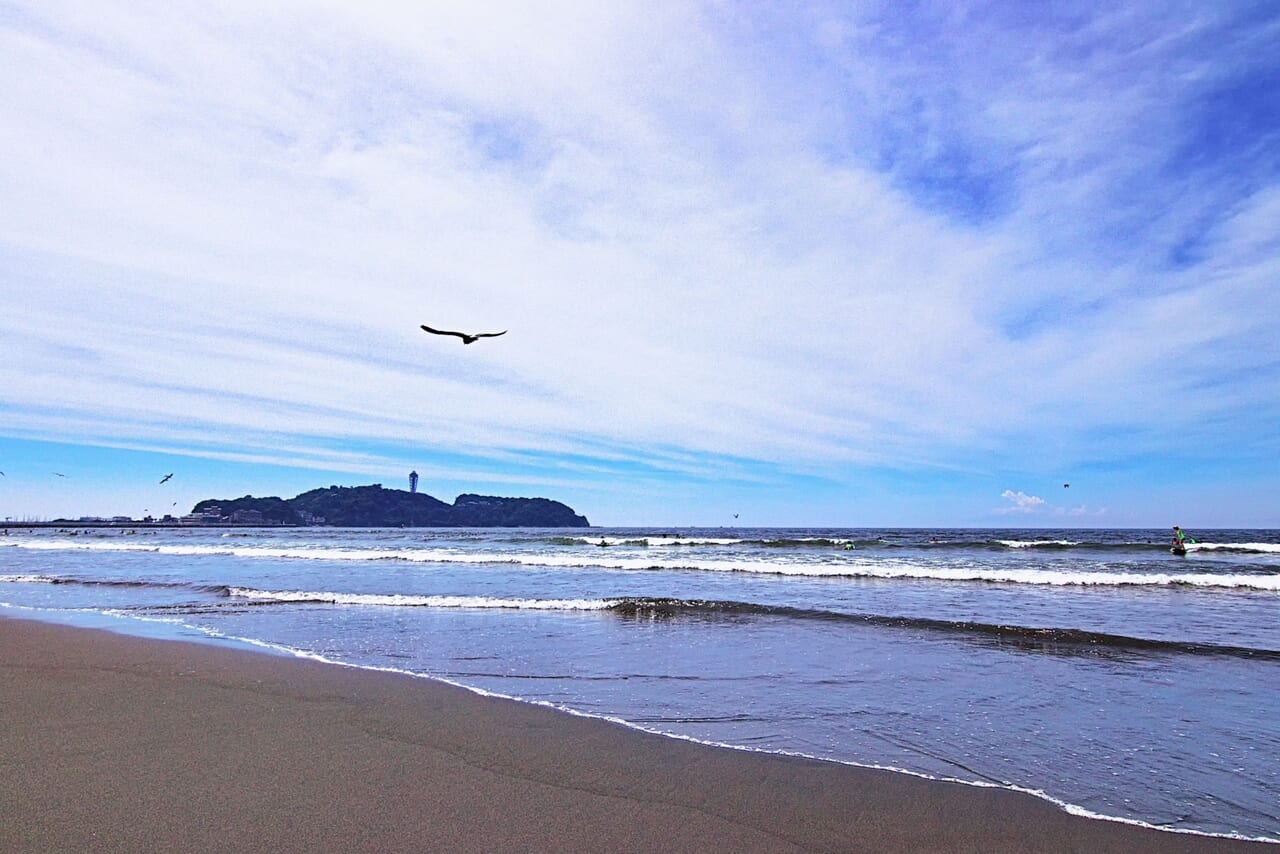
804	264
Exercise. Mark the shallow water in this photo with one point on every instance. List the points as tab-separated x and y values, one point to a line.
1093	666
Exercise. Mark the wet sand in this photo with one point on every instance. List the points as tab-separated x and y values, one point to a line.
115	743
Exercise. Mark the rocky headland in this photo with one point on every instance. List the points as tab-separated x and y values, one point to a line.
374	506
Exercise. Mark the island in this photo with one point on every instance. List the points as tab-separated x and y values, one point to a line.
376	507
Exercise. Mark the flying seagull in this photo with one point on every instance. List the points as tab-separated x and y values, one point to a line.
166	477
467	338
59	474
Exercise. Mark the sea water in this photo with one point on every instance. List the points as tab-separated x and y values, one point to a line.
1093	667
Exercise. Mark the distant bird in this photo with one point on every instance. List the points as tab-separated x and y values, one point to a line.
1066	486
2	474
467	338
166	477
59	474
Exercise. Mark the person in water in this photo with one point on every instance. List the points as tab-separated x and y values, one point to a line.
1179	538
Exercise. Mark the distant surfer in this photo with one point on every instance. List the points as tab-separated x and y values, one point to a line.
1180	541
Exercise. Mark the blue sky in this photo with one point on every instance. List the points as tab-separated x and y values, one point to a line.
818	264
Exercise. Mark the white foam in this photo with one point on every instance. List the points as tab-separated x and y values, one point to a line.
815	566
886	569
1067	578
400	600
28	579
316	552
1031	544
659	541
1264	548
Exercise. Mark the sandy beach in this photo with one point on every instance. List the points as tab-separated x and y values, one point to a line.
110	742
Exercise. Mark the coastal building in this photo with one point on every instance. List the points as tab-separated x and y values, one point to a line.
210	516
413	481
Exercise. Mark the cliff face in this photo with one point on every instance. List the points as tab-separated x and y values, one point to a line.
375	507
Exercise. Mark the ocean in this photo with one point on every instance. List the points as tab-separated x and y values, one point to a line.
1090	666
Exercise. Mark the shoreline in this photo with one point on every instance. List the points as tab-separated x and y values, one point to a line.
115	742
231	642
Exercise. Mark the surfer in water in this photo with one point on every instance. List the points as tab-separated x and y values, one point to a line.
1179	539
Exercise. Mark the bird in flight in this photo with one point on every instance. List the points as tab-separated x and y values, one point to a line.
166	477
59	474
467	338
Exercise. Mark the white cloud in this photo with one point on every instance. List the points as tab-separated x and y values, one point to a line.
1020	502
712	238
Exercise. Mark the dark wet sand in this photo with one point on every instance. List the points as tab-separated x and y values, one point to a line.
116	743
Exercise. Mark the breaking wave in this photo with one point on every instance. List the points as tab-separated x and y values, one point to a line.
841	564
662	608
401	600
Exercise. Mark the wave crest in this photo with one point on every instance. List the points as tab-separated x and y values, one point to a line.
401	600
